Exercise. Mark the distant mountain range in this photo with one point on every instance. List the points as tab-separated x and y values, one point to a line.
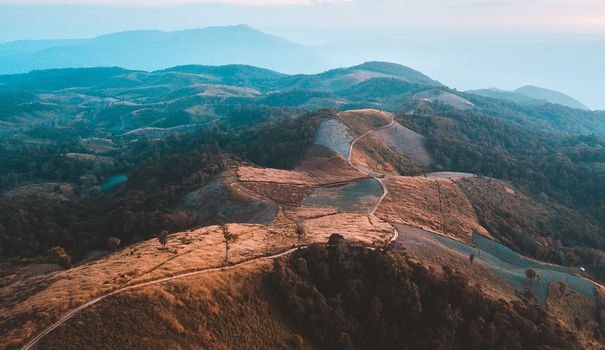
234	46
530	95
153	50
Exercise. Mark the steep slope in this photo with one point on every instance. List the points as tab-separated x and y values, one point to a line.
220	310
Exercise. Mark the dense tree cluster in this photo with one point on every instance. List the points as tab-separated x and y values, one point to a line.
160	173
566	169
348	297
553	118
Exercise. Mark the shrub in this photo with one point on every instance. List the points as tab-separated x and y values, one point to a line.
57	255
113	243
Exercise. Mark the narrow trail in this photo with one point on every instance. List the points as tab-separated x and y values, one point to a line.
441	206
385	191
33	342
75	311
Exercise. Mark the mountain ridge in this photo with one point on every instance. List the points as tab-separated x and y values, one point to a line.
154	49
531	95
231	74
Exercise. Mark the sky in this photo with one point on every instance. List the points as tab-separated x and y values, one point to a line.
578	16
467	44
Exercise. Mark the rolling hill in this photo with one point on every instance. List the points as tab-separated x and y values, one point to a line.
551	96
235	206
532	95
392	240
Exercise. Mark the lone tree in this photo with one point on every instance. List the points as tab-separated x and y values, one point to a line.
335	243
57	255
531	275
113	243
300	233
163	238
472	258
228	237
335	240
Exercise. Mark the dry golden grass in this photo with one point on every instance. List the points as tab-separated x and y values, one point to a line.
308	212
330	170
221	310
571	307
353	227
435	205
254	174
32	303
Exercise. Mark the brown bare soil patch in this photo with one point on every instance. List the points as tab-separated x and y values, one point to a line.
315	171
434	205
364	120
331	170
281	193
254	174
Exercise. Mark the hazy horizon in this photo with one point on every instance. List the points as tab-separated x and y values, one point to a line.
466	44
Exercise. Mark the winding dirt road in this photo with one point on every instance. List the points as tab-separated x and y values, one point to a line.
385	191
73	312
92	302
